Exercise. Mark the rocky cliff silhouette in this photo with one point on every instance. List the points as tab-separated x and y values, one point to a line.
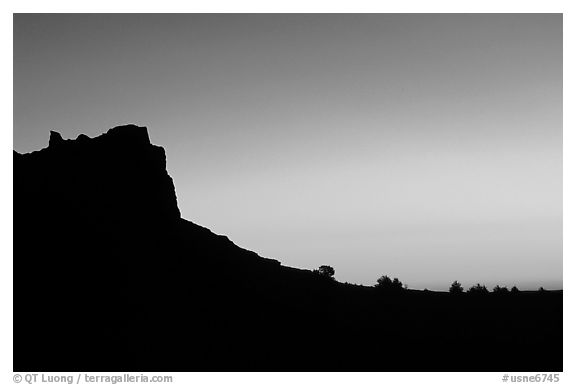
109	277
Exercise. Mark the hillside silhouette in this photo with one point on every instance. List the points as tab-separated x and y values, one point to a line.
109	277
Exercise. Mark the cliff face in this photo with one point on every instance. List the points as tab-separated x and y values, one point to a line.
116	177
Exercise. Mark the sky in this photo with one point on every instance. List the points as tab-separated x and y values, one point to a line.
426	147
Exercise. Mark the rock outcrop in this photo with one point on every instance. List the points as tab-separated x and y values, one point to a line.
119	175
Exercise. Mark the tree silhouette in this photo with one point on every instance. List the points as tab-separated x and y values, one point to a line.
514	290
456	288
500	290
478	289
397	285
385	283
325	271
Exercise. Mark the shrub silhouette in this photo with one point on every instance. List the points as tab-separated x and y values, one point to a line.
500	290
456	288
387	284
514	290
478	289
325	271
384	282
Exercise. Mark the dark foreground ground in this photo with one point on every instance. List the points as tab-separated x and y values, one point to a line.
108	277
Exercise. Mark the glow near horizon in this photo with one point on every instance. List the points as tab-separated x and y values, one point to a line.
424	147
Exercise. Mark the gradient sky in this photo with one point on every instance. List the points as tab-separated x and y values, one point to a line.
424	147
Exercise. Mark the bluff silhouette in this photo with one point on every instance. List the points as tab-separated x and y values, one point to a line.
109	277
